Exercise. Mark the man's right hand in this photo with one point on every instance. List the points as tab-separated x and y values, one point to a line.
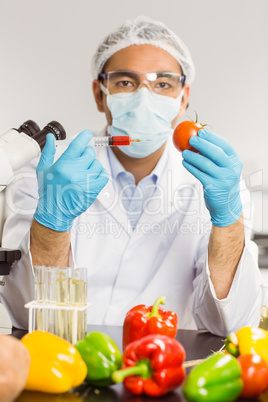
69	186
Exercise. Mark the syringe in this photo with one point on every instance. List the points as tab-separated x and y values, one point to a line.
114	141
106	141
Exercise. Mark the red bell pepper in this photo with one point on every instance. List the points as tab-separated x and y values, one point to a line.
141	321
152	365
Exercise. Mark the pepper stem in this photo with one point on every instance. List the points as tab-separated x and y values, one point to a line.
154	311
141	369
231	345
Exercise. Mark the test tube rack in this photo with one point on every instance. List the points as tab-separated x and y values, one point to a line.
34	305
60	302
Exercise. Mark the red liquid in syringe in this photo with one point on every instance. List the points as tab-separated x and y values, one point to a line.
114	141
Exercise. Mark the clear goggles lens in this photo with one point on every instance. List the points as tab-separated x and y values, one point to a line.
162	83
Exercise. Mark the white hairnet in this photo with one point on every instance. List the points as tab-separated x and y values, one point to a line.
144	31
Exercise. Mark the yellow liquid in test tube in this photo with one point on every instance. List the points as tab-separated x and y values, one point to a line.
76	291
39	297
61	327
264	318
85	311
264	306
39	290
50	298
78	298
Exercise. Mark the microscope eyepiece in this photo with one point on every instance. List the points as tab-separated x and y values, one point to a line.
53	127
29	127
56	128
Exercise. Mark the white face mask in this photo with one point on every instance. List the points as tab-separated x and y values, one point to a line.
142	115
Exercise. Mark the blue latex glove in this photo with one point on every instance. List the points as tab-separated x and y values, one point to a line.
218	168
70	185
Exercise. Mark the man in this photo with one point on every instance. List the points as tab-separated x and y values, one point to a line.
147	233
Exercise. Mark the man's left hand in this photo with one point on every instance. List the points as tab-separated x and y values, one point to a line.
218	168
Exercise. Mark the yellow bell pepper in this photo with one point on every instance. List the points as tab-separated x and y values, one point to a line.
248	340
56	365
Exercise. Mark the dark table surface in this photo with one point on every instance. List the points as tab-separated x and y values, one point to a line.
197	345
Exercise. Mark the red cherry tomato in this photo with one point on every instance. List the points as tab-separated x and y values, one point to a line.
183	132
254	375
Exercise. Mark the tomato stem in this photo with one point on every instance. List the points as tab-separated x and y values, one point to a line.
196	119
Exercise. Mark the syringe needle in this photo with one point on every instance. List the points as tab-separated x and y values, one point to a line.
137	140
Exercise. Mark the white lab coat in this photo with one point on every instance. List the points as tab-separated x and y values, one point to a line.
166	255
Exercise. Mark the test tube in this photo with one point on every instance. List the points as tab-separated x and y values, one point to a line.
50	298
85	302
78	298
62	299
83	331
39	286
264	307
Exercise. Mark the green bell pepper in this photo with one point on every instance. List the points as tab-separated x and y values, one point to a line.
102	358
216	379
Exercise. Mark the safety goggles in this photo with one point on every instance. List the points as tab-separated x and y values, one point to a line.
161	83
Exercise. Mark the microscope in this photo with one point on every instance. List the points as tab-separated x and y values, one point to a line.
17	148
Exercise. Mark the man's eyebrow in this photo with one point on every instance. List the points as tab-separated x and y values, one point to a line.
166	72
125	73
